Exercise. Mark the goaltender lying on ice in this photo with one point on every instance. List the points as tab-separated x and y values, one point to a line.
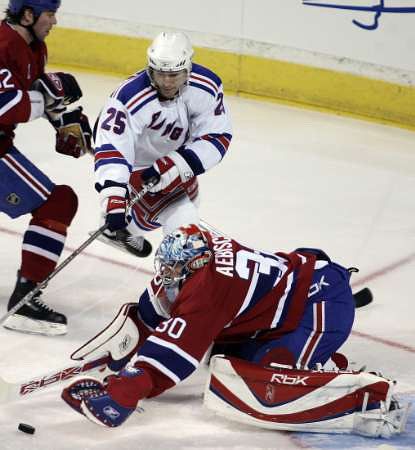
275	319
274	397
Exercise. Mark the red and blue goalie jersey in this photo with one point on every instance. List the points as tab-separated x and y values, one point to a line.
239	294
20	66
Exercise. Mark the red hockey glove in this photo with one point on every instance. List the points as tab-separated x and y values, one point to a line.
164	174
114	207
59	90
116	213
73	133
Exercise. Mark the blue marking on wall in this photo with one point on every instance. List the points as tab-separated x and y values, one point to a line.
377	10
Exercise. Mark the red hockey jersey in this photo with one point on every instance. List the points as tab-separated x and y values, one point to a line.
20	65
241	293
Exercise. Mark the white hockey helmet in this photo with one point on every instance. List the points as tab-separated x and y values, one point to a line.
170	52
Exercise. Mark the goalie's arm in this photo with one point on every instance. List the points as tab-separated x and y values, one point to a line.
178	344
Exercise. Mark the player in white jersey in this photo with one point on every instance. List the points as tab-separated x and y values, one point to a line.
166	124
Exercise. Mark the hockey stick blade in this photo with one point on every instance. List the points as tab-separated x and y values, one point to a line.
10	391
363	297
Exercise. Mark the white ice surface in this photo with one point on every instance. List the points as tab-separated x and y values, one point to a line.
291	178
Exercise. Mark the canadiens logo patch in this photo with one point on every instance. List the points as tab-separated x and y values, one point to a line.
13	199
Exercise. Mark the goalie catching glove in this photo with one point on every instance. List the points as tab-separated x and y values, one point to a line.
73	133
59	90
110	403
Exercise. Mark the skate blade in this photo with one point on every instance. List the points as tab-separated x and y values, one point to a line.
27	325
111	242
122	247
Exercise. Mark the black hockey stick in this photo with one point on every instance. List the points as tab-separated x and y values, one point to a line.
74	254
363	297
45	282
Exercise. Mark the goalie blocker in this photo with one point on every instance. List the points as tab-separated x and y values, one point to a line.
281	398
119	340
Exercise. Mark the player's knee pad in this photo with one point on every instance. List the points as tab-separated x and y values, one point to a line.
60	207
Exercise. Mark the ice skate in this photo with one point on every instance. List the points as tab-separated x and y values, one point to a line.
34	317
125	241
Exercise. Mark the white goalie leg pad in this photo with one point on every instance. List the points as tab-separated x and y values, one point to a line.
281	398
118	339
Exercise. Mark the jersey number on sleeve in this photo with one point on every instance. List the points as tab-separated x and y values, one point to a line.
5	76
115	120
174	327
220	109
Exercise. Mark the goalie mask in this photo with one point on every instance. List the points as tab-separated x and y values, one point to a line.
180	254
169	63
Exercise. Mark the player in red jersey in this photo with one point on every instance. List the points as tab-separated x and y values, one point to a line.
28	93
288	308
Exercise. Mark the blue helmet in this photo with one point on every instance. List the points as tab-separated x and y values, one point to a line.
38	6
181	253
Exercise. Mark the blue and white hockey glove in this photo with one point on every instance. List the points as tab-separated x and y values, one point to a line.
88	396
163	174
111	403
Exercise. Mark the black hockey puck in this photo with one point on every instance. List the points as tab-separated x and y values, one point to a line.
26	428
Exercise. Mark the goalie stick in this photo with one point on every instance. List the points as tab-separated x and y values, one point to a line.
11	391
74	254
361	298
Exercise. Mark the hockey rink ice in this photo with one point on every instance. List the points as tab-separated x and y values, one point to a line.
292	178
